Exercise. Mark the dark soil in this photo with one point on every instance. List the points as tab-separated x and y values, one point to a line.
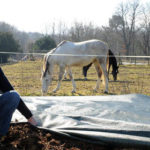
26	137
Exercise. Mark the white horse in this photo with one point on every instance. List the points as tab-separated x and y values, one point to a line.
68	54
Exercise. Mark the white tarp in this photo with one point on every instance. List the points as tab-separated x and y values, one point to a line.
117	119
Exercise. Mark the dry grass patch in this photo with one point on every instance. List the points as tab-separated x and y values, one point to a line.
25	77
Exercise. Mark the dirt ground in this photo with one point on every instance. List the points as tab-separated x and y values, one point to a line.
26	137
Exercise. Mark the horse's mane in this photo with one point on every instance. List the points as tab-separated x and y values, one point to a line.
45	60
61	43
54	49
112	60
45	65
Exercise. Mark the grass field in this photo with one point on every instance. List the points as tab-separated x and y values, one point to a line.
25	77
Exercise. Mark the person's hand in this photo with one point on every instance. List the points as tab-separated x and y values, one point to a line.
32	121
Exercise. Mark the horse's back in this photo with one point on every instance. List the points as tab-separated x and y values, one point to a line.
96	47
90	47
81	53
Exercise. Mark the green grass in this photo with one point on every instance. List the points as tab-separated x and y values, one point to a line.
25	77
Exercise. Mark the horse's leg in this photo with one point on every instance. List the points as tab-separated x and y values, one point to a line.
61	73
85	72
108	70
71	78
104	69
85	69
65	74
99	74
108	64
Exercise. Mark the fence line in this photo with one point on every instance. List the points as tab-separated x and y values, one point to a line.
117	56
25	74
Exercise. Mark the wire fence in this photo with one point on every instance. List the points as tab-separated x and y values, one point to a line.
24	72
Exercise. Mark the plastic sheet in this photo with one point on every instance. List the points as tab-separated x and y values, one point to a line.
122	121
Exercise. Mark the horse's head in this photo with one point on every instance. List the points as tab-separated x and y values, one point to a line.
115	72
46	80
46	77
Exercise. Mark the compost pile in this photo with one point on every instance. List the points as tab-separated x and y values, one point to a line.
23	136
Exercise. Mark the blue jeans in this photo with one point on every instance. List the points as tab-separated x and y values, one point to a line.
8	104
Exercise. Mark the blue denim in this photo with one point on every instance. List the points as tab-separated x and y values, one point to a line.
8	104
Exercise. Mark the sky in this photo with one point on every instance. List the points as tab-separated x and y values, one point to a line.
38	15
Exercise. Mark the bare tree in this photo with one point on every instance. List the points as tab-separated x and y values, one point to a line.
145	29
113	38
61	31
128	13
76	32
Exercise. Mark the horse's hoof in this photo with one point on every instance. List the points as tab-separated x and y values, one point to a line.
54	91
95	91
73	91
43	94
106	92
85	79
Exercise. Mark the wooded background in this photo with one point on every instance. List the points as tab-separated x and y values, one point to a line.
127	33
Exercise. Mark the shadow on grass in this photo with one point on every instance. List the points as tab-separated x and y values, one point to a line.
78	79
118	81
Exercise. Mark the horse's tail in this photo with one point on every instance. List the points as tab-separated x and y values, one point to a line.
108	60
99	70
107	67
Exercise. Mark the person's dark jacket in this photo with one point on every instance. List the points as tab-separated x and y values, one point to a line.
5	86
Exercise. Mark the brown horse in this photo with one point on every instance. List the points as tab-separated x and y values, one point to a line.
112	62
